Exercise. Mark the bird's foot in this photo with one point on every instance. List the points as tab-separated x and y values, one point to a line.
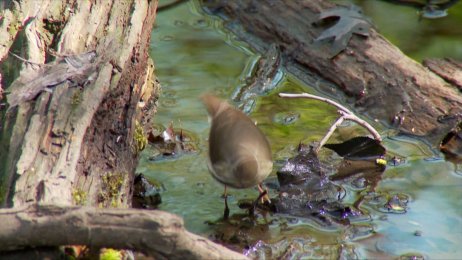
265	198
263	195
255	203
226	212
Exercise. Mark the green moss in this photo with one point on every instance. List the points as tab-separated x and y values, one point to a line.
79	196
139	138
76	98
111	183
110	254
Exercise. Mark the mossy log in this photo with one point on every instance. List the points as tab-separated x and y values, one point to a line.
375	77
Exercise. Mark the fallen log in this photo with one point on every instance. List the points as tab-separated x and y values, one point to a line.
377	79
449	69
152	232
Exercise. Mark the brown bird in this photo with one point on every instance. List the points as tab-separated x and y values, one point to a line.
239	153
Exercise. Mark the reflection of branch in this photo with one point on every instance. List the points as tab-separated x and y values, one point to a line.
345	114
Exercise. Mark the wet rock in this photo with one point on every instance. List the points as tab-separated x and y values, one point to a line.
304	167
146	194
240	231
306	191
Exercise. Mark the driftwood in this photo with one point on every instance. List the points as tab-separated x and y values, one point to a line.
155	233
377	78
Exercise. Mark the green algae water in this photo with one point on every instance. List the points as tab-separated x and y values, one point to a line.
193	54
419	38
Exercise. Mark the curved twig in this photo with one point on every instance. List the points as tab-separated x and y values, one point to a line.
331	130
345	114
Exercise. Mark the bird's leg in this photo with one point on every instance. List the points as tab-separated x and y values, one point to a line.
265	196
254	204
226	213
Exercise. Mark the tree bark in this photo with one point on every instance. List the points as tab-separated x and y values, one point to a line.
449	69
78	144
376	77
75	127
155	233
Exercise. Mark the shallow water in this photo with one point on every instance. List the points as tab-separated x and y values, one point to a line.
418	38
193	55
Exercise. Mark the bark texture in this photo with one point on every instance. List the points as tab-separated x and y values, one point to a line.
77	143
75	127
449	69
155	233
375	76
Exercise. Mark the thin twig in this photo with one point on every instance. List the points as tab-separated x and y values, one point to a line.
345	114
363	123
329	133
325	100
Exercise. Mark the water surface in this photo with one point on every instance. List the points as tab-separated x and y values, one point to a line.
194	54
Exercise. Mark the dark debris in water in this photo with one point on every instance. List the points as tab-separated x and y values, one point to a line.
299	248
451	145
240	230
307	194
170	143
146	194
363	162
306	191
358	148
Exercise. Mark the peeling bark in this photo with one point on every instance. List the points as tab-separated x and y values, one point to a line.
70	145
74	138
449	69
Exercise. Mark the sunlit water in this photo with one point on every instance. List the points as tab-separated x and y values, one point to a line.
194	54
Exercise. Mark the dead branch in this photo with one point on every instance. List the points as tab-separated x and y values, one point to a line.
155	233
345	114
